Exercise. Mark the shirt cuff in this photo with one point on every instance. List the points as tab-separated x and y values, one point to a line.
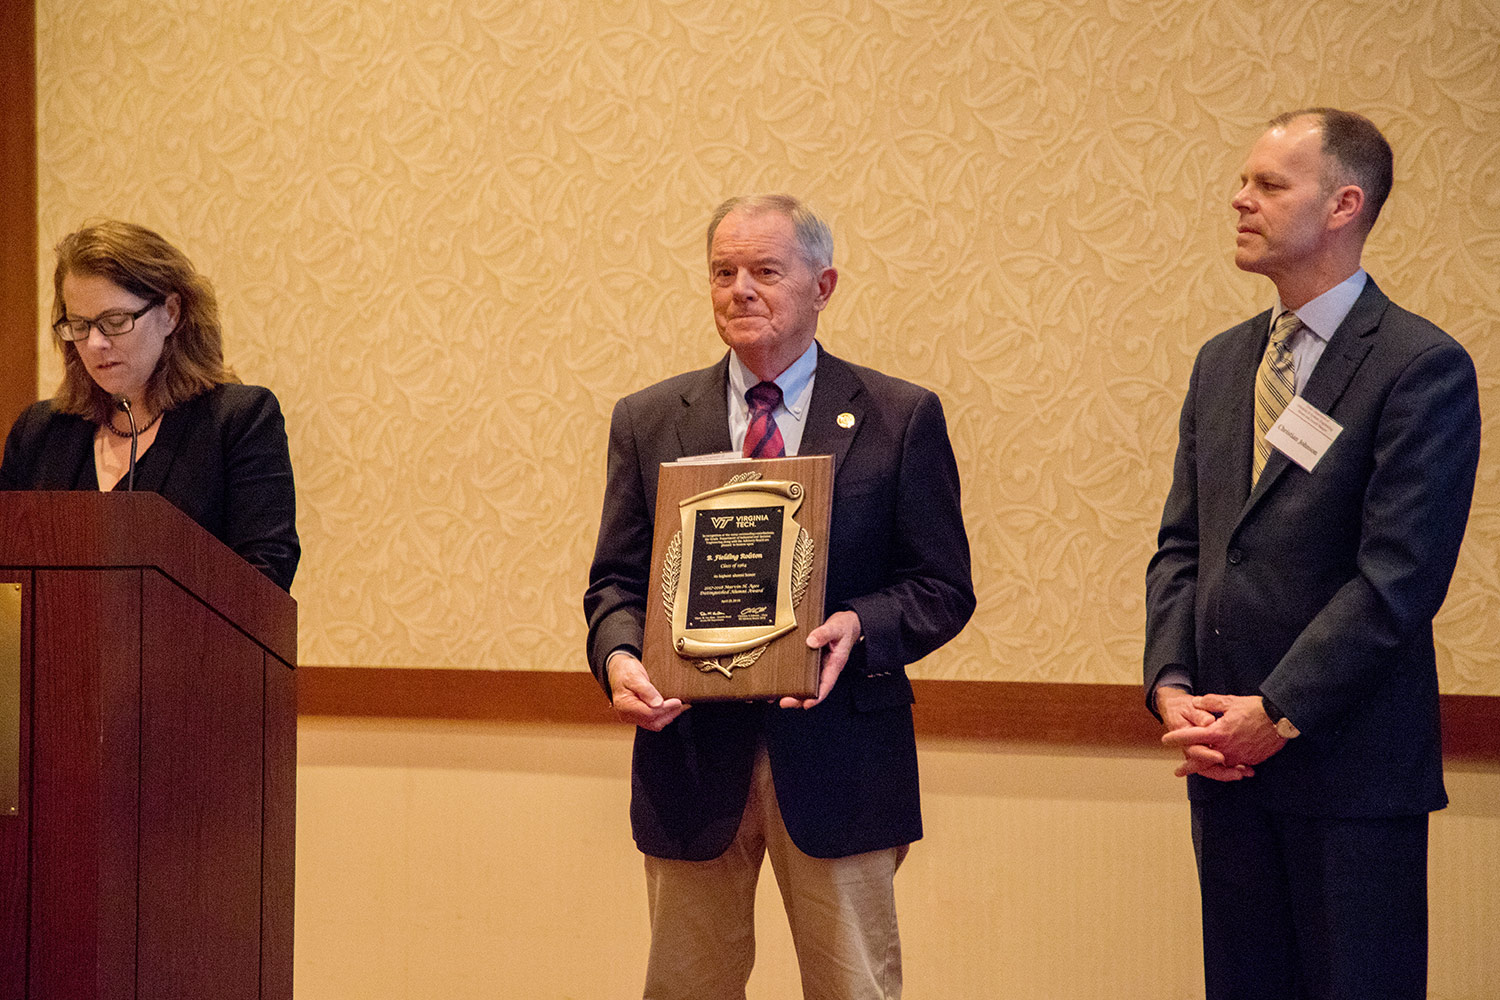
1175	677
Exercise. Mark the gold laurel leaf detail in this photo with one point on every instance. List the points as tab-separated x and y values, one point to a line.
671	567
744	477
709	666
802	564
740	661
747	658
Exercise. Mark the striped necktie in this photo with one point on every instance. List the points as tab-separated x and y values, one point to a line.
1275	385
763	437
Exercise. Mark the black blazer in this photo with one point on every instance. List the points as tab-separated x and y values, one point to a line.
1318	589
846	770
221	458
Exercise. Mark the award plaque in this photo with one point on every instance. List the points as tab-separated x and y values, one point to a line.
739	561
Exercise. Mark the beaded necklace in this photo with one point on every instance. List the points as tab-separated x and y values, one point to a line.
110	426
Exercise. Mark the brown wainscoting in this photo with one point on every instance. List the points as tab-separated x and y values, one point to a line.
1082	715
420	693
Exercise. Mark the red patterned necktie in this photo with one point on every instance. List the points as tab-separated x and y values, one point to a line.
763	437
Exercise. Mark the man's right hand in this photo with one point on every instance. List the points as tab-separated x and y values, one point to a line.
635	698
1175	706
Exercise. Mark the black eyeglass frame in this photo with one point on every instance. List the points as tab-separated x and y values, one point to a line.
65	327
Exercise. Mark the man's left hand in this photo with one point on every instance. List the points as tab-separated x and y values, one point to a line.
1178	710
836	637
1243	732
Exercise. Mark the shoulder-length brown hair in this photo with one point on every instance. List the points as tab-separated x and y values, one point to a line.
146	265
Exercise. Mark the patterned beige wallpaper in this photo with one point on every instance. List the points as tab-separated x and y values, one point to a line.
451	234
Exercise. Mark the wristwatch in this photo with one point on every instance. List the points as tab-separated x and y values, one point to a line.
1284	727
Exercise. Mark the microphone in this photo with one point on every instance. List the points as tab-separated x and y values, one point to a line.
123	402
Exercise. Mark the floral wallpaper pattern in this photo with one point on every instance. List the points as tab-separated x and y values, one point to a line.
450	234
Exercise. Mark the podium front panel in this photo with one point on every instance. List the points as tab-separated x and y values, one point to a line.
86	777
200	819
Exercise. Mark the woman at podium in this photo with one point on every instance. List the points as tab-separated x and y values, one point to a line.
144	373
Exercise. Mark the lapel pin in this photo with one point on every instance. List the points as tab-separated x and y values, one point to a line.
846	420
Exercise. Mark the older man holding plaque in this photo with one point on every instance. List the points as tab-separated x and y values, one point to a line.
826	786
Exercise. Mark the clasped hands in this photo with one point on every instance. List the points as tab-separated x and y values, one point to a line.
636	700
1222	736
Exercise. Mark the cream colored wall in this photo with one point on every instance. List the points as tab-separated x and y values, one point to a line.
456	861
450	235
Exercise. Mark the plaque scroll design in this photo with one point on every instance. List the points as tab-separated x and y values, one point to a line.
801	574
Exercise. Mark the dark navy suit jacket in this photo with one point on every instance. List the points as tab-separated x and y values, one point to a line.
1318	589
846	770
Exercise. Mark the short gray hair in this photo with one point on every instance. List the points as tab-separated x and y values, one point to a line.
814	238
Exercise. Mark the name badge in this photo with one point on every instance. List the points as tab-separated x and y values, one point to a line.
1303	432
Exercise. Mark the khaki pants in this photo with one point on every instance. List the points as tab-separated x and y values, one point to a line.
842	914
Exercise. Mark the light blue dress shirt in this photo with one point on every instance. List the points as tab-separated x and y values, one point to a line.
1320	318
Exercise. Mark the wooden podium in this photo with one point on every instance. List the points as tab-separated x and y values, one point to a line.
148	850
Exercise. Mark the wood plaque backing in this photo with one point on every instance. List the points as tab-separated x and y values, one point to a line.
786	666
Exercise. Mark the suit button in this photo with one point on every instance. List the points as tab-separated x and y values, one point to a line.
1235	557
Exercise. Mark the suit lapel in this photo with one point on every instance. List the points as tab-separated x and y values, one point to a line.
1345	352
68	462
837	399
1347	348
1229	432
703	427
152	476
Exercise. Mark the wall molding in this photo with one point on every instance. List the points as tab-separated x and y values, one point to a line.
1085	716
18	249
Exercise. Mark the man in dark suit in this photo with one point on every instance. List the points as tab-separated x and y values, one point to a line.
827	787
1324	470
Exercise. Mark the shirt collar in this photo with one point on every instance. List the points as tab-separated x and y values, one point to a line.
795	382
1323	314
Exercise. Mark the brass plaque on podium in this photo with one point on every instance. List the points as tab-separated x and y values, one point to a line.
10	698
739	561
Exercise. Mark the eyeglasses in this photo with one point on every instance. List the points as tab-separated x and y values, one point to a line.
111	324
